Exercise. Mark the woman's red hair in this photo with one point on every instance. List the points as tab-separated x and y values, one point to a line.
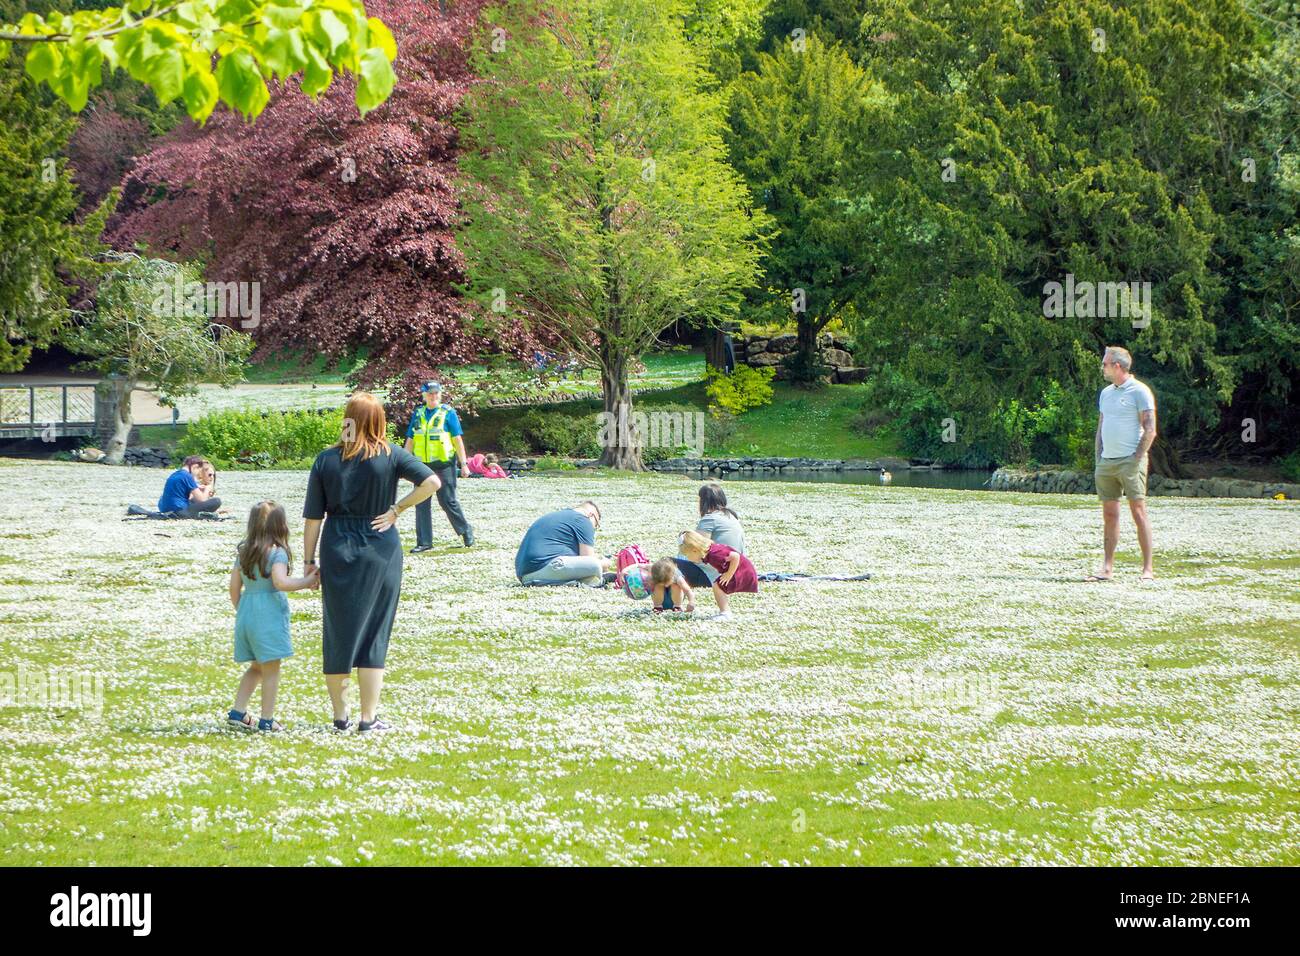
365	427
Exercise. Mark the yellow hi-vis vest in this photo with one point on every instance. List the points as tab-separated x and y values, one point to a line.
431	441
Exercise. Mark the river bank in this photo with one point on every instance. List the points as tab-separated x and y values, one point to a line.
1067	481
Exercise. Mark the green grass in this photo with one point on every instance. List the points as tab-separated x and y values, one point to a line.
973	703
670	369
162	436
814	424
798	422
663	369
294	369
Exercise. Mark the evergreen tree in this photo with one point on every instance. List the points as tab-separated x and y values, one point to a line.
1259	192
797	125
42	248
1032	143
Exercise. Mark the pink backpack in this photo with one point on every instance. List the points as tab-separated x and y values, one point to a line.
630	555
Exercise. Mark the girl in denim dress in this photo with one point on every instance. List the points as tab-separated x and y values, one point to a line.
258	583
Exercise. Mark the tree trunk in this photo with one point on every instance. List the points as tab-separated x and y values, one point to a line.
622	442
804	367
715	347
122	421
1165	460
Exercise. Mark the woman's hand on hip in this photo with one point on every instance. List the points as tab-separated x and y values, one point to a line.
384	521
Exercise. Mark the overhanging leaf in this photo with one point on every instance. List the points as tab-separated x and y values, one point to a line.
375	79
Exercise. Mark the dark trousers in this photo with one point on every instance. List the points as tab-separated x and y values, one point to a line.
447	500
198	507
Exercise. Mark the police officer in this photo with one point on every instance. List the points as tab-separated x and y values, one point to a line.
435	437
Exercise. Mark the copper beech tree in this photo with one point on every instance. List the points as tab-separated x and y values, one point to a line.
346	222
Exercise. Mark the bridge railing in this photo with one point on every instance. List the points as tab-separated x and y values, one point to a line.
47	411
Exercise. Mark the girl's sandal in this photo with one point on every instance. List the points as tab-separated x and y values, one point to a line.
269	723
240	720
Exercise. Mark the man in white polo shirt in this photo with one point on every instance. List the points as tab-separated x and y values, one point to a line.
1126	427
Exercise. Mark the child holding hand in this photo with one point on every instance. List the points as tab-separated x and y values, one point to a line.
665	578
258	583
737	571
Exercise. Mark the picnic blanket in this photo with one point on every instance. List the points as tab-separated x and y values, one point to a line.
797	576
137	513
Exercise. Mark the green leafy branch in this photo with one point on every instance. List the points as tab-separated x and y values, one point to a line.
210	51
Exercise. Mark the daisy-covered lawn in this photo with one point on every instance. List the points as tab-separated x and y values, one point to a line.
974	703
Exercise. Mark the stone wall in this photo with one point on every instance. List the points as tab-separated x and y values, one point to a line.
1065	481
776	351
723	466
147	457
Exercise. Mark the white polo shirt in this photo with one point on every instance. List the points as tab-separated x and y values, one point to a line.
1121	408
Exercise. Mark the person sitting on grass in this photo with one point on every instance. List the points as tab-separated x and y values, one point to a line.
669	590
737	574
257	585
560	548
190	490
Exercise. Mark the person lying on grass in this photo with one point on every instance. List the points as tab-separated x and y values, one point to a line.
486	466
257	585
737	571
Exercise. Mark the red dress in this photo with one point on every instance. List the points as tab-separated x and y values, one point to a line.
744	581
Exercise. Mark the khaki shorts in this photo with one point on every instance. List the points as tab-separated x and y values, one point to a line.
1116	475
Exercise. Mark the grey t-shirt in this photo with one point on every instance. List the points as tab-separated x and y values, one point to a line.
558	534
722	528
1121	408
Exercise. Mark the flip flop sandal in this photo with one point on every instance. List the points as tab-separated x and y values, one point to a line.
1096	578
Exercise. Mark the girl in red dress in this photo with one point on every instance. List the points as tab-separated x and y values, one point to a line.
737	572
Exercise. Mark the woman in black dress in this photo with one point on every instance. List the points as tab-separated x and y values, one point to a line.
355	484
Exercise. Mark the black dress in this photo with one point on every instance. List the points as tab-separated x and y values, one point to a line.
360	568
